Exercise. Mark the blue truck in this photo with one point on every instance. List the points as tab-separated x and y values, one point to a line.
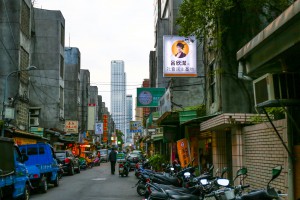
14	181
41	164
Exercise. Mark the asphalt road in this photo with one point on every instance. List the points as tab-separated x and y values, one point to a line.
96	183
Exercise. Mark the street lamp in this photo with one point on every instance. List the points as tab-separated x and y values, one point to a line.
5	91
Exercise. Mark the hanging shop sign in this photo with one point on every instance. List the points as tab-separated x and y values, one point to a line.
149	97
179	56
71	126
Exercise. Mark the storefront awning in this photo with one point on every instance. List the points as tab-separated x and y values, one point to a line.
198	120
26	134
169	118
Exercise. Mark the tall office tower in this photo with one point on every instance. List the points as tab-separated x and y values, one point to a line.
118	94
128	136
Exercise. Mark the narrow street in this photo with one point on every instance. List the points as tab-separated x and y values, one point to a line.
96	183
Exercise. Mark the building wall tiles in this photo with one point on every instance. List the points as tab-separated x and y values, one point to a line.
262	152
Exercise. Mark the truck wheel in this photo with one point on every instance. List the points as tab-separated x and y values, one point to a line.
44	186
56	182
26	194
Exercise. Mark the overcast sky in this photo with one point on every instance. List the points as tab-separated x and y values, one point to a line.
106	30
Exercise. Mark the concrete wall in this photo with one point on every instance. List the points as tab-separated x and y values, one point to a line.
84	87
15	34
72	83
262	152
47	86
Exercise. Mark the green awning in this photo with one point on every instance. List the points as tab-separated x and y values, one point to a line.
187	115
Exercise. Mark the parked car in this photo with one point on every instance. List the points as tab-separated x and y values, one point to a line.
137	151
41	165
69	161
103	155
134	158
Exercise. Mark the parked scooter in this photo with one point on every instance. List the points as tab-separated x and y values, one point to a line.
60	171
124	168
236	193
97	161
82	163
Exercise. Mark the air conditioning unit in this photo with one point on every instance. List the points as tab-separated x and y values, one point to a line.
35	112
277	89
34	121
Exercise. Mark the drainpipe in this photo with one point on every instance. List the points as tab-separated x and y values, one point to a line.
241	74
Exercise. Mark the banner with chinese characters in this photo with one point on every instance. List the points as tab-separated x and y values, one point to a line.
91	117
71	126
183	152
105	127
179	56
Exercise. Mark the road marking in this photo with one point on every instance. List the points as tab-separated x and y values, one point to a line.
99	179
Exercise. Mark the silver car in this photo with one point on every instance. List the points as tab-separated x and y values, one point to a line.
103	155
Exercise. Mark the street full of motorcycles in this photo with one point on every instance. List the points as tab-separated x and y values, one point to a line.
176	183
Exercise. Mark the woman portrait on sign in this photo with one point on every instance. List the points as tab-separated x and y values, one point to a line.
180	53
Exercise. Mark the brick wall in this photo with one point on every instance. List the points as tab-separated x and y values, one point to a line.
263	151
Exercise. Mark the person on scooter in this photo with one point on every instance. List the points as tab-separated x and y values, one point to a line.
112	158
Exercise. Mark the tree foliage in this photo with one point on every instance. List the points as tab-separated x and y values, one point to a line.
198	17
120	136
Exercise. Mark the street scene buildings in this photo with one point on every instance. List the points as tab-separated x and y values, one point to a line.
223	94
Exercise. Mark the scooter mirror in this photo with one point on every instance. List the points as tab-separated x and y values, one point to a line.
242	171
223	182
275	173
204	181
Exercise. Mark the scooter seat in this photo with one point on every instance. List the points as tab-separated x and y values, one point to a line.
172	180
166	187
257	195
185	197
158	195
204	176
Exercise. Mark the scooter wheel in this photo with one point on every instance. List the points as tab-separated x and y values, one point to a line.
141	190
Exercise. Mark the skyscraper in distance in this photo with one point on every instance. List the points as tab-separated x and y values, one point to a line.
128	135
118	94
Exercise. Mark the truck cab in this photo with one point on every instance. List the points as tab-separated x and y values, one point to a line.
41	164
14	181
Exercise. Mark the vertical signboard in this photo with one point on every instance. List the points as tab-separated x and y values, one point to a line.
136	127
99	128
183	152
91	117
179	56
105	127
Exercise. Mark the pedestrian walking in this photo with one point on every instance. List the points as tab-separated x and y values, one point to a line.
112	158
